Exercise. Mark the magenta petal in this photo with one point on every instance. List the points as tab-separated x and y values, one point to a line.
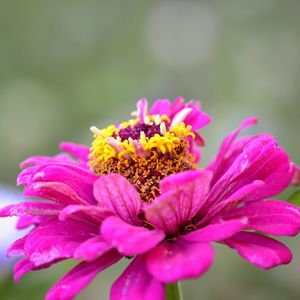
55	191
22	267
77	178
79	151
92	249
260	250
93	212
161	107
217	232
171	262
115	193
128	239
296	178
137	284
42	160
270	216
56	240
17	248
31	208
182	196
27	220
80	276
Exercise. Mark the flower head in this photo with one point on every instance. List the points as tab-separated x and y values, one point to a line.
138	194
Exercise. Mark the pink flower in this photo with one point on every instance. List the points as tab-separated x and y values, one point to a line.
138	194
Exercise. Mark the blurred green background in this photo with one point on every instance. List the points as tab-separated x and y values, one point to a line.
67	65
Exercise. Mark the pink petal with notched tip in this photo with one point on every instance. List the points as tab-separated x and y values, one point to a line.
79	151
55	191
92	249
216	232
115	193
261	251
128	239
77	178
182	196
269	216
56	240
31	208
161	107
171	262
136	283
80	276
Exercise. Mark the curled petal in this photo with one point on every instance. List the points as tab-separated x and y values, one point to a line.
80	276
261	251
270	216
128	239
17	248
217	232
115	193
137	284
171	262
27	220
79	151
43	160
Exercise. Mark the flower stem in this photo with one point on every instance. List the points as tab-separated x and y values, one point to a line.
173	291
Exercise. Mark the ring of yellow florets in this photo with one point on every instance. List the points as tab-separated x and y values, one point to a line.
143	152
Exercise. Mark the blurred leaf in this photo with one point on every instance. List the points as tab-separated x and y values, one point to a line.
295	198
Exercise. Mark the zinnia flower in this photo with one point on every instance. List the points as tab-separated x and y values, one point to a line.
137	193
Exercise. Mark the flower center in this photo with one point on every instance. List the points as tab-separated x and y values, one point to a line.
144	150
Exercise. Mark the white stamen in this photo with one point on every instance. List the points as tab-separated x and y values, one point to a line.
142	135
96	131
180	116
147	121
115	144
163	128
157	120
134	113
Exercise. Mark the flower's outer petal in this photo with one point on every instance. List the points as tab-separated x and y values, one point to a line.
92	249
17	248
161	107
217	232
261	251
171	262
27	220
55	191
296	178
80	276
77	178
93	212
182	196
197	118
137	284
31	208
79	151
269	216
22	267
115	193
56	240
227	148
128	239
43	160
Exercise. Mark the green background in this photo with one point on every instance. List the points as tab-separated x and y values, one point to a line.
67	65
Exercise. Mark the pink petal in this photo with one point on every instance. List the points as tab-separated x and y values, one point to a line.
77	178
128	239
22	267
296	178
216	232
43	160
93	212
55	191
92	249
17	248
269	216
80	276
182	197
31	208
27	220
79	151
56	240
260	250
227	144
137	284
142	110
161	107
115	193
174	261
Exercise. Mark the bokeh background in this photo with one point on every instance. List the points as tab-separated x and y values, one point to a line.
67	65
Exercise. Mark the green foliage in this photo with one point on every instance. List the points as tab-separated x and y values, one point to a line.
295	198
